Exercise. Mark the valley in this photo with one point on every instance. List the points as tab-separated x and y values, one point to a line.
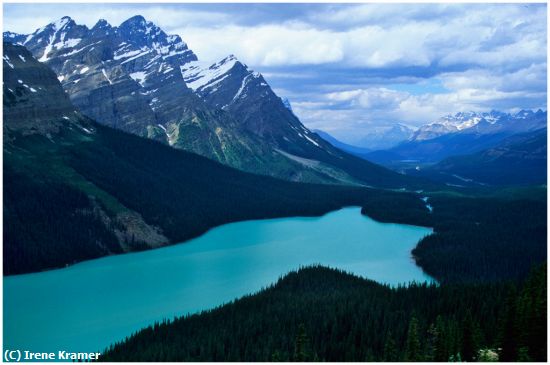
166	208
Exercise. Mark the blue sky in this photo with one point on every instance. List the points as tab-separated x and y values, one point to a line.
350	69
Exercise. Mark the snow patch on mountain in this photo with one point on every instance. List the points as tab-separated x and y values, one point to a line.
56	27
7	60
119	56
107	77
198	75
69	43
139	77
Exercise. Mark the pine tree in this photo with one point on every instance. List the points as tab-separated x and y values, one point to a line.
441	342
390	349
301	347
412	348
431	343
470	338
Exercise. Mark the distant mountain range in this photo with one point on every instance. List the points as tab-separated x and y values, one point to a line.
482	123
473	130
469	149
139	79
517	160
463	133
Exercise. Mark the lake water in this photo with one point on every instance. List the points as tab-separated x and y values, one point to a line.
90	305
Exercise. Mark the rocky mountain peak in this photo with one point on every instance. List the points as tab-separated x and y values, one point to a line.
230	58
136	78
65	22
136	22
101	24
524	114
101	29
140	30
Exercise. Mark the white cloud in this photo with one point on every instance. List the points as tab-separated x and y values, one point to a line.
352	113
266	45
25	19
446	41
339	64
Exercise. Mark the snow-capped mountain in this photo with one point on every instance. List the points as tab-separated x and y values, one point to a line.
137	78
463	133
231	86
114	75
483	123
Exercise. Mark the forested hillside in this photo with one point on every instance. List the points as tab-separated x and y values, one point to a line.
115	175
484	238
321	314
517	160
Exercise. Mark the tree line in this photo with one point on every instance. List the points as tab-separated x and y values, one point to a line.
322	314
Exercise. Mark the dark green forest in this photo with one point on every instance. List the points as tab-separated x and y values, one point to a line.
321	314
186	194
479	237
483	239
47	224
58	185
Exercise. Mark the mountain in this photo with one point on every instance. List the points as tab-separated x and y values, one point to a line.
452	124
136	78
75	189
386	138
245	95
436	149
517	160
482	123
464	133
358	151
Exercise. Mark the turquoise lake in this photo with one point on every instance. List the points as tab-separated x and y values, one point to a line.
88	306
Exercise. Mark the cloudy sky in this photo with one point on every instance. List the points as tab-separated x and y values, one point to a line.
350	69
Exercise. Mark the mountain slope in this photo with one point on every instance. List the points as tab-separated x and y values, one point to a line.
520	159
244	94
138	79
76	190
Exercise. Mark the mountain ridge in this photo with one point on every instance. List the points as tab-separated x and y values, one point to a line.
478	122
478	131
130	77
